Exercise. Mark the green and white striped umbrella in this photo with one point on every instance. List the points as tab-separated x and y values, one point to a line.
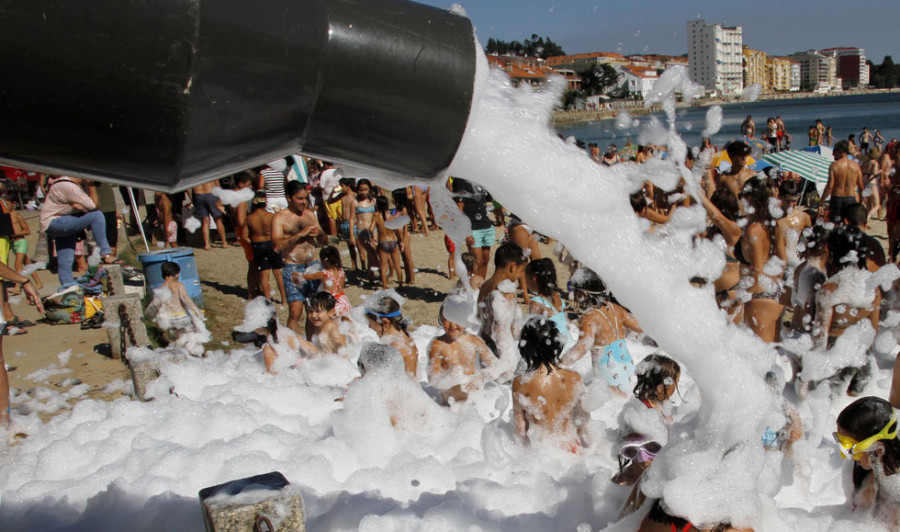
811	166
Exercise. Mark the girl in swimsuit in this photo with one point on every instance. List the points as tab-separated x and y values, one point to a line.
401	209
389	244
333	278
540	276
362	225
603	327
760	276
867	434
386	319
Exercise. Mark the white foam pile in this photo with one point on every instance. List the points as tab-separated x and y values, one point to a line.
388	458
233	198
192	224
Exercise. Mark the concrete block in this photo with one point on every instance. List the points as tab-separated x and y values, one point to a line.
267	503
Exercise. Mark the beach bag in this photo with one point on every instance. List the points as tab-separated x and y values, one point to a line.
64	307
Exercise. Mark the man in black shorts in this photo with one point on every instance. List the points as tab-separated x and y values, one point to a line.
258	231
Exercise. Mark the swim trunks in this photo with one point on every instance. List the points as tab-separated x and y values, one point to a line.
484	238
345	230
836	208
20	246
205	205
298	291
265	256
448	245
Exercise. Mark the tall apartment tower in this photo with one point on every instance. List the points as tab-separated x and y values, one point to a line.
714	56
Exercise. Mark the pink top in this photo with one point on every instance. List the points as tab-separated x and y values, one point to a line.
60	197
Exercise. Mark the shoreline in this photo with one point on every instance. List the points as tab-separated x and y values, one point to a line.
636	107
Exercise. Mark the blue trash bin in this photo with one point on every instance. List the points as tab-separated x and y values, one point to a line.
152	262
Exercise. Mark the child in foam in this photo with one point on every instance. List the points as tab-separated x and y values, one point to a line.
176	313
867	434
332	277
386	318
603	328
457	360
659	519
540	276
643	423
497	308
322	328
547	399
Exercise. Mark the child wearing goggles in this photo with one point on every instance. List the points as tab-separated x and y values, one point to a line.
867	434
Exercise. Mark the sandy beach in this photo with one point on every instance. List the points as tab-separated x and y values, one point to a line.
83	356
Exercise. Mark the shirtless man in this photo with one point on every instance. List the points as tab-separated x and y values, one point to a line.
497	308
546	399
736	177
845	182
205	204
748	127
257	230
456	357
820	132
295	233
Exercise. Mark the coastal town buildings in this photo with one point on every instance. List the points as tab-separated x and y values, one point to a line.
715	57
581	62
782	74
851	66
638	79
755	67
818	72
529	70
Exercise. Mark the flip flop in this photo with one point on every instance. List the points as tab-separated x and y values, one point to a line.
17	322
14	331
105	260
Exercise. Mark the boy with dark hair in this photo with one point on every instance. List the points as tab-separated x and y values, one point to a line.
845	182
497	308
176	313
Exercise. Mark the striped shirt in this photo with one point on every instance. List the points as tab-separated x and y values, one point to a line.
274	182
60	197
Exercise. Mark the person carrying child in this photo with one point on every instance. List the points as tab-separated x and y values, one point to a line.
603	327
456	358
547	399
176	313
386	318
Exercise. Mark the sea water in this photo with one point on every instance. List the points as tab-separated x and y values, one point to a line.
127	465
845	114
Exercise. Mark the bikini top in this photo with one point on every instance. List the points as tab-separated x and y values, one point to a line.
363	210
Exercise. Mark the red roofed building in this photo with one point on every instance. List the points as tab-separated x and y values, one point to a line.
531	70
639	79
580	62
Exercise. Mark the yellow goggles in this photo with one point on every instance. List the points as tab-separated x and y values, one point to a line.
855	449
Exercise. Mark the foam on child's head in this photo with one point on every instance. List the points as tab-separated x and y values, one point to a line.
257	313
374	356
382	302
456	309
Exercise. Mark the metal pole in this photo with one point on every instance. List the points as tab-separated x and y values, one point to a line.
137	216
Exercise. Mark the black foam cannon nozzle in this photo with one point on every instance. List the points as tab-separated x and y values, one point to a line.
166	94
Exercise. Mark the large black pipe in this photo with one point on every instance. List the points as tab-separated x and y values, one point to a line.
165	94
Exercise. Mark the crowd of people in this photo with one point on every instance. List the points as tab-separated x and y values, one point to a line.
793	268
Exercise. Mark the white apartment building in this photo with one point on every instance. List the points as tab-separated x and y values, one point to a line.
818	72
715	58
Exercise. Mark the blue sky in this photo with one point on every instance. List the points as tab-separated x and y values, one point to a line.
658	26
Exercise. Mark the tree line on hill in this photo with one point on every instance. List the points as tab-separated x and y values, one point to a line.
886	75
533	47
